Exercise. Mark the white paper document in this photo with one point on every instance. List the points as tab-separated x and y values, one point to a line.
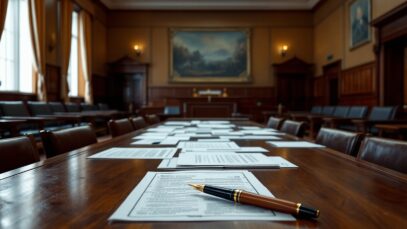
170	140
172	164
294	144
135	153
241	160
207	145
245	149
251	137
166	196
177	123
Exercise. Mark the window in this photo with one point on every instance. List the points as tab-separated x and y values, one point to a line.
16	50
73	70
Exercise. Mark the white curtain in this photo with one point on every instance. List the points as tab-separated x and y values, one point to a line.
3	13
36	12
85	53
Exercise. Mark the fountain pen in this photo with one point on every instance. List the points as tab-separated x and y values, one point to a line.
240	196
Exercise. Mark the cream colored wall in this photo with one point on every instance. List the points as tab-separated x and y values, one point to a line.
268	31
332	33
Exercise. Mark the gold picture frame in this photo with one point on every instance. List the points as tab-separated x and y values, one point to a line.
210	55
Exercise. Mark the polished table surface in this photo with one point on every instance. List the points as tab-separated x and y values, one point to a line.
72	191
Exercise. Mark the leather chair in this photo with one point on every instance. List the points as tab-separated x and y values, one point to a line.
17	152
152	119
138	123
72	107
62	141
341	111
316	110
14	108
275	123
103	107
89	107
339	140
57	107
293	128
328	110
377	115
388	153
120	127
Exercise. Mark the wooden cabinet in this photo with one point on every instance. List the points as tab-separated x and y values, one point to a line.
128	84
293	84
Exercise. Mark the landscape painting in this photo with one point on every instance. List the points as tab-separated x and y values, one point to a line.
210	55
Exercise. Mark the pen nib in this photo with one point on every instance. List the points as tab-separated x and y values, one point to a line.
198	187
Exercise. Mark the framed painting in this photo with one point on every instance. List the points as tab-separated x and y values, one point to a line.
360	16
210	55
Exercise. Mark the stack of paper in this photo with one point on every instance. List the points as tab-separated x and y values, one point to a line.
172	164
135	153
166	196
294	144
225	160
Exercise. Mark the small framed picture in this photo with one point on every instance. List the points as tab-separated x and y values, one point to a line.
360	16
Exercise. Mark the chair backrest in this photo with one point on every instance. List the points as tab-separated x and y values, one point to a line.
339	140
120	127
357	112
152	119
39	108
72	107
328	110
62	141
172	110
17	152
275	123
138	123
57	107
293	128
382	113
89	107
316	110
385	152
103	107
14	108
341	111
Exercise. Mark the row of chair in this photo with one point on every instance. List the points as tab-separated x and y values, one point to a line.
20	151
54	115
383	152
352	118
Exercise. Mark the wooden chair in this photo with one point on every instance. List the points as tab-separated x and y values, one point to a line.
120	127
17	152
275	123
152	119
138	123
293	128
339	140
388	153
62	141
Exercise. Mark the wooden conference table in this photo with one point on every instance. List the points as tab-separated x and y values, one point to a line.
71	191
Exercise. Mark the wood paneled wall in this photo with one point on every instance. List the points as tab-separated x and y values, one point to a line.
358	85
250	100
319	90
53	80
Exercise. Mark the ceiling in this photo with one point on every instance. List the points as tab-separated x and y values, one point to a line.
210	4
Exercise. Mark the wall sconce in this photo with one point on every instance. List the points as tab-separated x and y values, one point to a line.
137	50
283	50
52	42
